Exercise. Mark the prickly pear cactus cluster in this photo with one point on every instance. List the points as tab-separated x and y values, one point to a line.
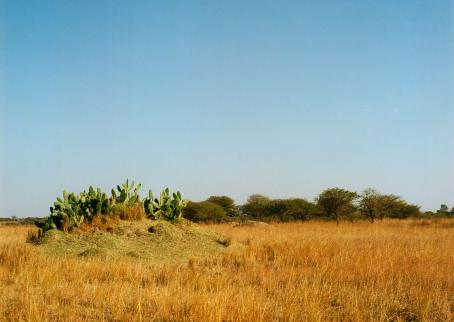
167	207
126	194
73	209
67	212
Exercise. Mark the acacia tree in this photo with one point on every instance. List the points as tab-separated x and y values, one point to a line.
337	202
389	205
226	203
204	211
369	203
375	205
256	207
444	210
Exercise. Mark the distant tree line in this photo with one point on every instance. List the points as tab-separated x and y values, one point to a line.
14	220
331	204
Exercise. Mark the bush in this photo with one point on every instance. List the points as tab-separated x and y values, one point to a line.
204	211
289	209
404	210
256	207
226	203
264	209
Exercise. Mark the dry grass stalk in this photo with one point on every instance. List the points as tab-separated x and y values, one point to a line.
388	271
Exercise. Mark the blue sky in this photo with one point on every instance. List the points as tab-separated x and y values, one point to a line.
226	97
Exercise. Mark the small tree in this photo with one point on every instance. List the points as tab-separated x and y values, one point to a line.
369	203
410	211
204	211
256	207
289	209
388	205
226	203
337	202
444	210
375	205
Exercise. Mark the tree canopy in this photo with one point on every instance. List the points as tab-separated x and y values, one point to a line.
337	202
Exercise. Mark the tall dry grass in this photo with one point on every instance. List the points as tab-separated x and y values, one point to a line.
312	271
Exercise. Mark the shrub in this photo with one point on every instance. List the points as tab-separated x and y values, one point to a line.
226	203
290	209
256	207
204	211
404	210
264	209
337	202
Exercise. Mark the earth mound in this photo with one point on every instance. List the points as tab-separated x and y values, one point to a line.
158	241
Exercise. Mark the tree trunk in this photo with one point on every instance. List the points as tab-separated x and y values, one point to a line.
371	217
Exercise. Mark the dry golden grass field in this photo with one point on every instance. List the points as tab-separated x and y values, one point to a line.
312	271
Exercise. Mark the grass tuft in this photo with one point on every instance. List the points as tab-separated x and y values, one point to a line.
392	270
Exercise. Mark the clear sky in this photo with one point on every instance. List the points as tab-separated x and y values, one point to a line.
283	98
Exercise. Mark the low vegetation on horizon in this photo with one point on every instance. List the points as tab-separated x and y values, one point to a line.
125	202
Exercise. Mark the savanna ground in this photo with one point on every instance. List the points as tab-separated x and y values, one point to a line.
393	270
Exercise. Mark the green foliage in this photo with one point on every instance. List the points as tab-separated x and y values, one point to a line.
46	225
444	211
73	209
226	203
293	209
178	203
427	215
127	193
123	199
444	208
148	204
68	212
204	211
96	202
375	205
167	207
401	209
337	202
256	207
259	207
